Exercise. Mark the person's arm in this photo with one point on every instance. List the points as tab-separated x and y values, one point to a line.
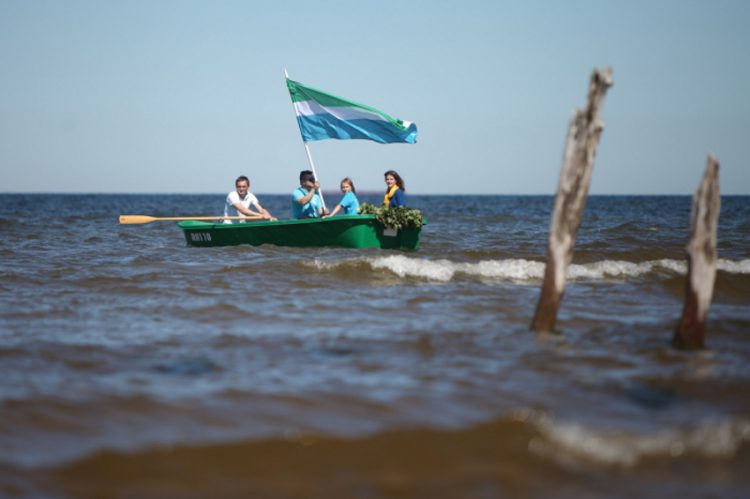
307	197
264	212
399	197
246	211
336	209
317	203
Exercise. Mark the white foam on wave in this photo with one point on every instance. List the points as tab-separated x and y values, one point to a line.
520	270
621	268
445	270
568	443
436	270
741	267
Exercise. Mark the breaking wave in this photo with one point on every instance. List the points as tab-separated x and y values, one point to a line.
519	270
571	442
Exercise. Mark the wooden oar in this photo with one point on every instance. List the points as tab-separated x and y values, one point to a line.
145	219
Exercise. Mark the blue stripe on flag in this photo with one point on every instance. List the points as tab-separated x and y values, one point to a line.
326	126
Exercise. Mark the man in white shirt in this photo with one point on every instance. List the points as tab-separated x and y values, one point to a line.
241	200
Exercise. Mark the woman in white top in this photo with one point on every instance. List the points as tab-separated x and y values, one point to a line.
241	200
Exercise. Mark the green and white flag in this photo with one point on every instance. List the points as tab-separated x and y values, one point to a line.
324	116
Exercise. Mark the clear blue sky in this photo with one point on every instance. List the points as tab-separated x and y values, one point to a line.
183	96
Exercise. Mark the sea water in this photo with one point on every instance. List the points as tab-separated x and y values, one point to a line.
133	365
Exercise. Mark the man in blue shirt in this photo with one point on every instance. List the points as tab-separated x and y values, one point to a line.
306	201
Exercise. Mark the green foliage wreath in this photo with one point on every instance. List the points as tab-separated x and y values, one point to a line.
400	217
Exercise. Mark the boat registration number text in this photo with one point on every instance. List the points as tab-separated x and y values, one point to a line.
200	237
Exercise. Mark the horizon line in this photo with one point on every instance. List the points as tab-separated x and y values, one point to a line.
326	193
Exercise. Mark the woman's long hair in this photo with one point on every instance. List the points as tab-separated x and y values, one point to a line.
399	180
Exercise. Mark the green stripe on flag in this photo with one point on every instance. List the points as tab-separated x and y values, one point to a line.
301	93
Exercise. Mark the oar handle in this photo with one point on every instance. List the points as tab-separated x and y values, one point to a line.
145	219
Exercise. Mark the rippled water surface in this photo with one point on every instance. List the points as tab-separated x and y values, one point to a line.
136	366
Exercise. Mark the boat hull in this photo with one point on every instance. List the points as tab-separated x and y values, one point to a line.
348	231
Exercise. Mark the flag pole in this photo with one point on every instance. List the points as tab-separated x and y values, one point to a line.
309	158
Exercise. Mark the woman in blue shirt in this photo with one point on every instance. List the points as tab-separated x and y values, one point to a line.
349	203
395	192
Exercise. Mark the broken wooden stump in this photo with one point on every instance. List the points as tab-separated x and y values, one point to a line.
578	163
701	256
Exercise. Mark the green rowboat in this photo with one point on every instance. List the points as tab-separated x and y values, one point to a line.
348	231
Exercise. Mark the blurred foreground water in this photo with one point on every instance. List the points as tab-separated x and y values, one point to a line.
136	366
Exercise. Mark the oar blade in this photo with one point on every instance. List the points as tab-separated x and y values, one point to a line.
135	219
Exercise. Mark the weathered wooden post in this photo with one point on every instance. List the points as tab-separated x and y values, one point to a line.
578	163
701	255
